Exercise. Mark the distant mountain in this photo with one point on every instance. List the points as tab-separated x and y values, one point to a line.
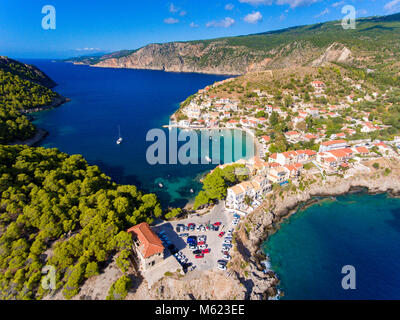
374	39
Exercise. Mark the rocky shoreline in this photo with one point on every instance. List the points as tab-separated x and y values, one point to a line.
55	103
266	220
31	142
40	133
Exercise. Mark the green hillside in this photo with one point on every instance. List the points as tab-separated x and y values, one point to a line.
374	43
22	87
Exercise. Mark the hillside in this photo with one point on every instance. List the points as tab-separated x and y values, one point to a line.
298	46
23	88
26	72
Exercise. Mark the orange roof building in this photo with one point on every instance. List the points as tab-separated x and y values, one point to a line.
147	242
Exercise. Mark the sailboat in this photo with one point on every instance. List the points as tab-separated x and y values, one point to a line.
119	141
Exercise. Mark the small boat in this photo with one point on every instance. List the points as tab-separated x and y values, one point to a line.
119	141
208	158
161	185
191	191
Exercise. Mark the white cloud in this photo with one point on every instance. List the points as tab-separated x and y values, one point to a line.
323	13
225	23
362	12
193	25
292	3
229	7
338	4
176	10
296	3
173	9
257	2
88	49
171	21
392	6
254	17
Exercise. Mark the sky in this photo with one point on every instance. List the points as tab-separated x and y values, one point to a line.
88	27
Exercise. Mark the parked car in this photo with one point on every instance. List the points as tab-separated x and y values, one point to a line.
221	234
204	246
221	267
192	247
199	256
183	235
202	238
178	229
216	228
227	242
217	224
192	239
206	250
200	243
227	257
197	252
223	262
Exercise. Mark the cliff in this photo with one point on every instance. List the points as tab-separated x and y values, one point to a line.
311	45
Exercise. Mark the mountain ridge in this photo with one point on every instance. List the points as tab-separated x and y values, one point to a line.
294	46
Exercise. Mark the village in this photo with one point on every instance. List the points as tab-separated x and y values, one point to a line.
297	142
338	153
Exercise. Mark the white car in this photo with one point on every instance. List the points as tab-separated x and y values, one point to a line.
221	267
227	242
203	246
227	257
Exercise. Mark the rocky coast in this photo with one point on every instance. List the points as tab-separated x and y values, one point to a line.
281	204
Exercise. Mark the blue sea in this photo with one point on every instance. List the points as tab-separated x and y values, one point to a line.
136	101
360	230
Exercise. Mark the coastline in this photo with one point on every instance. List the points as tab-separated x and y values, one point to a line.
31	142
255	141
267	219
55	103
212	72
41	134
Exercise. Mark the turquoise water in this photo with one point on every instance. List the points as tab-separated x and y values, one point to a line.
135	100
311	247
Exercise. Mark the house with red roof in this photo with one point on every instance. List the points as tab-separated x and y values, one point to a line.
147	245
332	145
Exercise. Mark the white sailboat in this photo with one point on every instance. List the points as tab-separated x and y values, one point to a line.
119	141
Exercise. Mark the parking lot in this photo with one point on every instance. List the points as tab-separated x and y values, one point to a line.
218	219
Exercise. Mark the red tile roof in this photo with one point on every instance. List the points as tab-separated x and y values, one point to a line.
329	143
150	243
